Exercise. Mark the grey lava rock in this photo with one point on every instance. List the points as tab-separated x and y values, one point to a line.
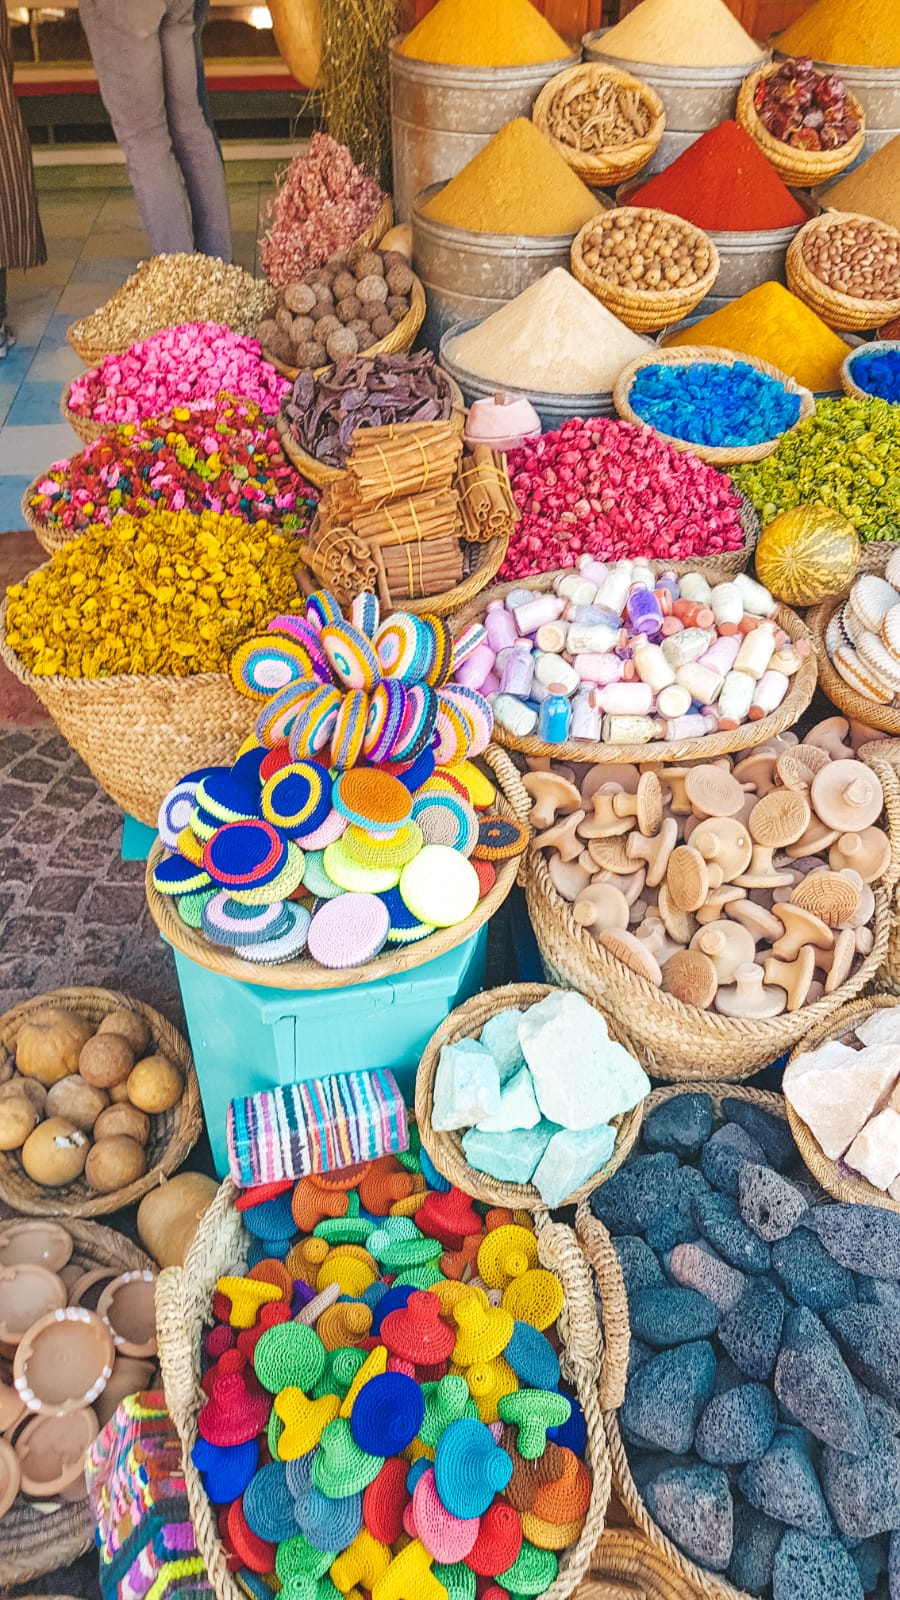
728	1376
693	1506
783	1485
771	1132
768	1202
648	1464
870	1558
725	1153
696	1266
665	1397
756	1539
675	1222
640	1268
865	1238
815	1387
809	1275
881	1416
681	1125
878	1292
807	1568
638	1354
736	1426
894	1566
751	1331
628	1200
869	1340
722	1226
665	1317
863	1491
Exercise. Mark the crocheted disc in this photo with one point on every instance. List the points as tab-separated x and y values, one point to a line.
365	614
189	846
535	1297
499	838
387	1414
263	664
288	945
175	813
480	790
243	854
316	879
278	715
349	931
476	710
403	651
356	879
441	667
328	1524
444	819
369	851
532	1357
190	907
281	887
417	728
373	799
467	643
228	922
352	657
228	796
440	886
384	1502
445	1538
269	1506
349	730
300	629
416	773
322	609
499	1540
273	761
469	1468
452	732
202	824
387	708
315	722
175	875
297	799
332	828
487	875
226	1470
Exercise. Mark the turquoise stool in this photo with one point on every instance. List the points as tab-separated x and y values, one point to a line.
137	839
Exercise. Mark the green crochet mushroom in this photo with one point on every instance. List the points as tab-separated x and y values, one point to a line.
533	1411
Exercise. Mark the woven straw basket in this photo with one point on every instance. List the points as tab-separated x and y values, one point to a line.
85	427
647	309
445	1149
48	537
305	973
34	1542
627	1566
800	169
610	163
139	734
173	1134
491	556
673	1041
395	343
318	473
696	355
846	1187
842	311
874	558
801	691
183	1301
873	347
690	1579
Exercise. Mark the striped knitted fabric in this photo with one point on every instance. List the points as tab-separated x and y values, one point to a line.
316	1126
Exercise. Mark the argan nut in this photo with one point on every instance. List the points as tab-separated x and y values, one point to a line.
77	1100
118	1094
18	1118
155	1084
32	1090
371	287
123	1120
383	327
55	1154
299	298
129	1025
106	1059
114	1164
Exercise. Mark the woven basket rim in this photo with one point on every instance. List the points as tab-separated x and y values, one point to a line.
627	1556
861	313
608	162
696	355
47	537
847	700
799	167
394	343
318	472
445	1149
643	310
870	347
78	1199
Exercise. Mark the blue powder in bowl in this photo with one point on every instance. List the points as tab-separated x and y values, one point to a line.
878	372
708	403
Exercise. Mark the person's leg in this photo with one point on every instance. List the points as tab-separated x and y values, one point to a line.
125	42
192	137
7	337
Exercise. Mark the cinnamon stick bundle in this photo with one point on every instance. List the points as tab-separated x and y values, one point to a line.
486	499
415	519
387	463
414	572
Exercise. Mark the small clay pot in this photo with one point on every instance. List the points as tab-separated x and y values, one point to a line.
51	1454
12	1408
128	1377
89	1286
128	1306
27	1293
9	1476
64	1361
35	1244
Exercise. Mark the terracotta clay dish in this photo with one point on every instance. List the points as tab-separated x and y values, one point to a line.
9	1476
51	1453
128	1306
27	1293
64	1361
35	1243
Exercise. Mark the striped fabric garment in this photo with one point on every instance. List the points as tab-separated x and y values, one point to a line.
316	1126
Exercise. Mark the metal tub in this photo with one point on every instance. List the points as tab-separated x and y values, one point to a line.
553	409
876	88
695	98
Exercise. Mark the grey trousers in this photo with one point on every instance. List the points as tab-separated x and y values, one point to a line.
145	57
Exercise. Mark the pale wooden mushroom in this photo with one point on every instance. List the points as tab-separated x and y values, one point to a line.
865	910
713	791
551	796
801	928
569	878
847	795
757	770
611	854
652	934
813	841
762	872
606	907
679	925
794	977
624	774
629	884
838	961
833	896
867	852
796	768
605	823
691	978
747	997
725	843
645	805
716	902
728	946
563	836
762	923
687	878
831	736
654	851
779	818
679	804
865	941
629	950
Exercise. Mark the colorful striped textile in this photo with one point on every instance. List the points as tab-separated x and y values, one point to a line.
316	1126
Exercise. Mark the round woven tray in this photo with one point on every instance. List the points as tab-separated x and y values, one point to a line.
845	1186
708	747
697	355
875	558
610	163
35	1542
318	473
873	347
139	734
393	344
841	311
445	1149
183	1301
647	310
691	1580
308	974
173	1134
86	429
48	537
673	1041
627	1566
801	169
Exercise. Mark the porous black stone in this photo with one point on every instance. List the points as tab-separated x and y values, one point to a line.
771	1132
665	1397
815	1386
770	1204
751	1330
736	1426
725	1153
682	1125
783	1484
865	1238
863	1492
869	1340
628	1200
640	1268
756	1539
721	1226
870	1558
807	1568
666	1317
675	1222
693	1506
809	1275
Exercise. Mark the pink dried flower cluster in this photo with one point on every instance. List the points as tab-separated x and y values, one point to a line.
612	490
184	366
322	204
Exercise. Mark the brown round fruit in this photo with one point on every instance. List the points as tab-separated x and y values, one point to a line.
80	1102
49	1043
106	1059
123	1120
155	1084
55	1153
32	1090
114	1163
129	1025
18	1118
118	1094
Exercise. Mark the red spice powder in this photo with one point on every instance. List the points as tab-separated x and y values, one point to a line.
723	183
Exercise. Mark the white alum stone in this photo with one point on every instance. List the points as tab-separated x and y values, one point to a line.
582	1078
572	1160
875	1152
466	1086
881	1027
518	1106
835	1090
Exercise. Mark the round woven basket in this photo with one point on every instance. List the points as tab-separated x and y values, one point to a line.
607	164
708	747
673	1041
183	1301
842	1184
93	353
139	734
490	558
801	169
873	347
696	355
644	310
48	537
626	1566
597	1245
395	343
838	310
173	1134
34	1542
305	973
853	704
318	473
445	1149
85	427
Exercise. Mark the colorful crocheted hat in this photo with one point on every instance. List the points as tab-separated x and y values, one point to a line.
469	1468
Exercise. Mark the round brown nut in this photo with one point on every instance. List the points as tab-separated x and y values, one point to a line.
77	1100
55	1153
344	285
106	1059
299	298
155	1084
342	343
366	263
115	1163
371	288
348	308
32	1090
125	1120
131	1025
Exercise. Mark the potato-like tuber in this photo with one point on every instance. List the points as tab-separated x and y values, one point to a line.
131	1026
106	1059
168	1217
50	1042
80	1102
155	1084
125	1120
18	1118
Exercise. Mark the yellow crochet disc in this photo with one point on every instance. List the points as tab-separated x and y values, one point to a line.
203	830
377	854
480	790
352	1277
250	743
190	846
550	1535
439	886
504	1254
288	879
535	1297
488	1381
450	1290
407	1207
349	875
374	1366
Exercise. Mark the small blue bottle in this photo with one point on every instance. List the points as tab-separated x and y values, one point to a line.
554	716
